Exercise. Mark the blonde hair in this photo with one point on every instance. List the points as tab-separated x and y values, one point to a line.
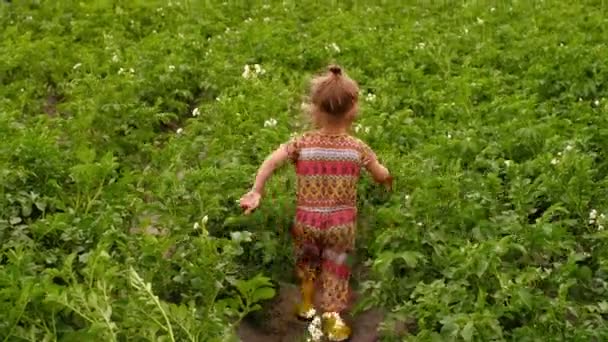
333	93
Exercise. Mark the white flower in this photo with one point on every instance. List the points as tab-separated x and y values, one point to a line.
205	220
554	161
179	130
171	67
270	122
121	71
333	315
466	30
195	112
131	70
492	9
29	17
507	163
480	21
314	329
569	148
266	19
310	313
420	46
419	224
600	227
252	71
449	136
370	97
333	46
596	102
246	71
114	58
196	225
258	69
248	20
366	130
407	197
76	66
593	214
358	128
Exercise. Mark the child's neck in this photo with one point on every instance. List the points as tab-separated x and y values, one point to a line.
333	130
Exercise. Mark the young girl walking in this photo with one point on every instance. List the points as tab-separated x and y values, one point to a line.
328	162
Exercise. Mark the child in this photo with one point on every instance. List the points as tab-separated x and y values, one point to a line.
328	163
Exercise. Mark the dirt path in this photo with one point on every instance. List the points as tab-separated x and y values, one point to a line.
277	322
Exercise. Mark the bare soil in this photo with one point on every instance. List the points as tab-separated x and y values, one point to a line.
278	323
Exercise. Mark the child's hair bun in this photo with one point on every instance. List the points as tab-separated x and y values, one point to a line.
335	69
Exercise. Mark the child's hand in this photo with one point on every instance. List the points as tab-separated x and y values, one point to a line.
250	201
388	183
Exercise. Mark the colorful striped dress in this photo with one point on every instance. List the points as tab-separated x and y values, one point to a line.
328	169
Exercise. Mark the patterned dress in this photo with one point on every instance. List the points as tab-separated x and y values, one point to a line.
327	169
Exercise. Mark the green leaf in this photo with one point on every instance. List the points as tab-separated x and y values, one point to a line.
525	297
411	258
26	209
40	205
482	266
263	293
468	331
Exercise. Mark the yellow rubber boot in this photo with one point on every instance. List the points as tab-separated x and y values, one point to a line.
334	327
306	308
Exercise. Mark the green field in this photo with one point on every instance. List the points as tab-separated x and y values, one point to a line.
129	129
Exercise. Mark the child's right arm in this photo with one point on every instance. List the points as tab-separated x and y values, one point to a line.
251	200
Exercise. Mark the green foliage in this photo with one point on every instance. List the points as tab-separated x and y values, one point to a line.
128	130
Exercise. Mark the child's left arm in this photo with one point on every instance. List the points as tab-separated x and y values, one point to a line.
378	171
380	174
251	200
